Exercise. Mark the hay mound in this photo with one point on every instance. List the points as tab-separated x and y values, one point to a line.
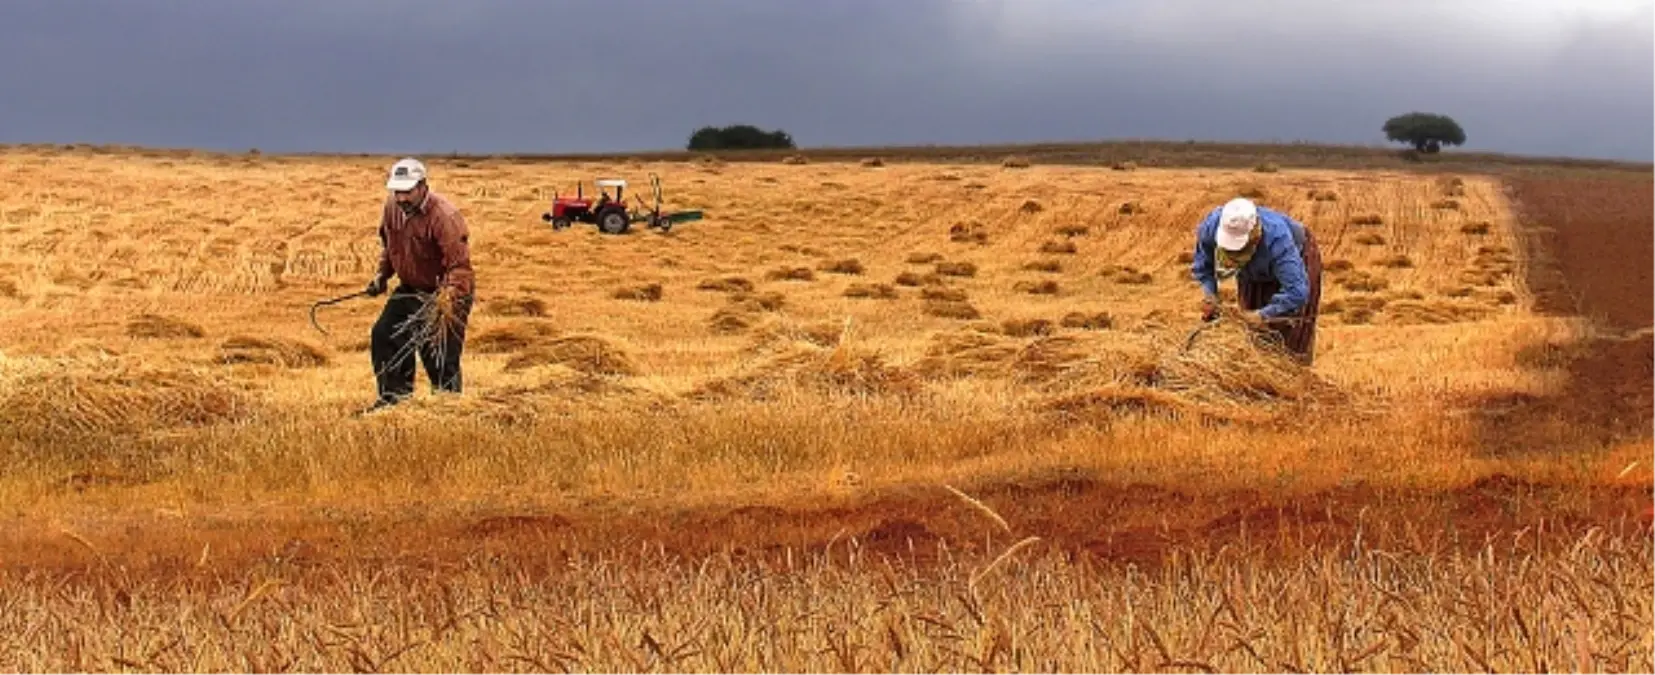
791	274
154	326
781	333
744	311
1027	327
837	371
726	285
1125	274
1225	375
510	338
1084	321
1048	361
518	306
650	292
845	266
1227	363
732	319
951	309
584	353
1064	247
43	400
759	302
914	279
284	352
944	294
875	291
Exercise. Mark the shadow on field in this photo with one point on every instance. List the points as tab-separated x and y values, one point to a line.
1589	243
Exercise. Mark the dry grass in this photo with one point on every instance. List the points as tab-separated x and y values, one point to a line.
773	378
753	266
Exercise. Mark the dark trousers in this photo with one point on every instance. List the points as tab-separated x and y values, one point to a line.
396	344
1298	334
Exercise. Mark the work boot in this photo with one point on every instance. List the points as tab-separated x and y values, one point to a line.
378	406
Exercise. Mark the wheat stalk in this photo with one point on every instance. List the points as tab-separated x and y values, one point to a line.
980	507
1004	555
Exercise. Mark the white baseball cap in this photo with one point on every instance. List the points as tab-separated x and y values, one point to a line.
405	174
1235	223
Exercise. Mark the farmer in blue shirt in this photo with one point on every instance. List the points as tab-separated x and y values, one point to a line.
1277	267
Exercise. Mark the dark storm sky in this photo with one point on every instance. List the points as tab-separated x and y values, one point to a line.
1523	76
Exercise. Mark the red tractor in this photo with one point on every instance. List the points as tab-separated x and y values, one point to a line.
608	211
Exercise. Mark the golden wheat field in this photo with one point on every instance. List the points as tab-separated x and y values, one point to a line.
888	416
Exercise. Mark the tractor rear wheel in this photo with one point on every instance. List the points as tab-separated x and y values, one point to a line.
613	221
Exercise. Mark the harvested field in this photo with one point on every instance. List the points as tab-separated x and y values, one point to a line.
956	416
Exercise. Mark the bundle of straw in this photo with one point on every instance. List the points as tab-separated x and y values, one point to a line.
435	325
1229	361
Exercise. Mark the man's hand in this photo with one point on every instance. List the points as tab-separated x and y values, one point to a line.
1256	320
375	287
1209	308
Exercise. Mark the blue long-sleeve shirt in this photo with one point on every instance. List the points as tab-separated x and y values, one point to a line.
1277	258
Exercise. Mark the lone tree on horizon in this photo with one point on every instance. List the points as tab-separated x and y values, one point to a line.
1427	132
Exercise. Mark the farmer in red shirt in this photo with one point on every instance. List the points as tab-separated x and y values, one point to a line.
424	244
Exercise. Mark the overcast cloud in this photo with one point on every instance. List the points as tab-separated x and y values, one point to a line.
1522	76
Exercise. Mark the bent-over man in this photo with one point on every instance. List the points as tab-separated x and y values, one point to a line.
1277	266
424	244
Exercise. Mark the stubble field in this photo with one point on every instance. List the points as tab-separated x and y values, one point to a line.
902	417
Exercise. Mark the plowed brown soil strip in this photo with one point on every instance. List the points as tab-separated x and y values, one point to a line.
1590	240
1084	515
1601	232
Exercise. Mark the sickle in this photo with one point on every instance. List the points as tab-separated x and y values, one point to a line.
330	301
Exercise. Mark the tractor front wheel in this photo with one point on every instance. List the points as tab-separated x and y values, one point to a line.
613	221
561	223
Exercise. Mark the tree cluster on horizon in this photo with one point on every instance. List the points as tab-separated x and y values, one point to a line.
1426	132
739	137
